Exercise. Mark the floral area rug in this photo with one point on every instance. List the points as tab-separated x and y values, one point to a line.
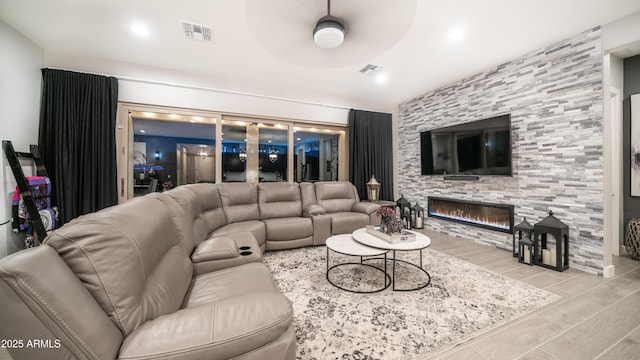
462	301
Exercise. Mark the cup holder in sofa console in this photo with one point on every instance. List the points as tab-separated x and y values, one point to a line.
245	247
245	253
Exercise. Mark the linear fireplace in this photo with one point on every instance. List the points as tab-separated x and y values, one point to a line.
498	217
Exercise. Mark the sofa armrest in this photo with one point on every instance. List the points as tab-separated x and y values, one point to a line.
215	249
365	207
222	329
321	223
313	210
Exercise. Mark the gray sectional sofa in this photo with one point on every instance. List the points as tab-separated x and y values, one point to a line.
176	275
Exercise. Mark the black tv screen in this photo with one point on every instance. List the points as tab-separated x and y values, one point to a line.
480	147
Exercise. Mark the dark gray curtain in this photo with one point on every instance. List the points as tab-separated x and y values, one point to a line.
77	140
371	151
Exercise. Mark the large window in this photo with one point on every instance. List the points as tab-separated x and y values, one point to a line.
234	151
171	150
272	152
166	147
316	154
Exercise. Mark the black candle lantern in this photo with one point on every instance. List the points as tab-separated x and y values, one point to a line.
417	217
403	207
556	256
524	229
526	251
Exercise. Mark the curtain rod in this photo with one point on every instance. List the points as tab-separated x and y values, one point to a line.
194	87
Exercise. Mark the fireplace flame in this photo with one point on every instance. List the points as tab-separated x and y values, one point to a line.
449	211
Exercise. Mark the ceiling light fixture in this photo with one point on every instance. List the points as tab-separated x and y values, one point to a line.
329	31
140	30
273	156
456	34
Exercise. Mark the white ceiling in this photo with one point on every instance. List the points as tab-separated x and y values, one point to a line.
265	46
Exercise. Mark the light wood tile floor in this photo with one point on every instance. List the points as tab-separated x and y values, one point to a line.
596	318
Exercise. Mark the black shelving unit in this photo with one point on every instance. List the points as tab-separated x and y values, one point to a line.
14	161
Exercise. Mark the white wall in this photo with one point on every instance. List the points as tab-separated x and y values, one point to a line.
155	86
203	98
621	33
20	86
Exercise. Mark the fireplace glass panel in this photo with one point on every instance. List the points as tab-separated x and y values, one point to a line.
491	216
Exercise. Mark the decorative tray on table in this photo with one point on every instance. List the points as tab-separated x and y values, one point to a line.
393	238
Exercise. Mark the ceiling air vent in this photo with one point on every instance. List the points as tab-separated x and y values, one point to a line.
370	69
197	32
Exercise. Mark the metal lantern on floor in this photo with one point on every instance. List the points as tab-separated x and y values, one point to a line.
417	217
403	207
555	256
373	189
520	231
526	251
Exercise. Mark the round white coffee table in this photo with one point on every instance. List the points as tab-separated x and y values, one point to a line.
345	245
421	242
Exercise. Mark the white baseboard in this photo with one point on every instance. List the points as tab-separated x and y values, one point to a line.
608	271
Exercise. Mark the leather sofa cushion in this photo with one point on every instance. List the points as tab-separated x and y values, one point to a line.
215	249
226	328
255	227
207	195
292	228
347	222
277	200
239	201
339	196
211	216
307	194
181	213
134	266
43	298
230	282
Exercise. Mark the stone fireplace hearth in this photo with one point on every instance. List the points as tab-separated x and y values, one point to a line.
498	217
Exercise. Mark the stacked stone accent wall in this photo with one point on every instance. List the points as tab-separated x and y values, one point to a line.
554	96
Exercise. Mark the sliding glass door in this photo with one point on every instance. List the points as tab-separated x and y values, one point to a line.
160	148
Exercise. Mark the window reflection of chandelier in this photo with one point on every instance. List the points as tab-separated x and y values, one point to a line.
203	153
273	156
243	156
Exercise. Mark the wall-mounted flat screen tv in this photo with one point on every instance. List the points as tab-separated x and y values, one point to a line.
480	147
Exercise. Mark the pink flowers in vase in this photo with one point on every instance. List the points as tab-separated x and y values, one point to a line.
390	223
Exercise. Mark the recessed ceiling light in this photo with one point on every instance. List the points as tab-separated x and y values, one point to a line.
140	29
143	131
297	139
269	141
456	34
381	78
